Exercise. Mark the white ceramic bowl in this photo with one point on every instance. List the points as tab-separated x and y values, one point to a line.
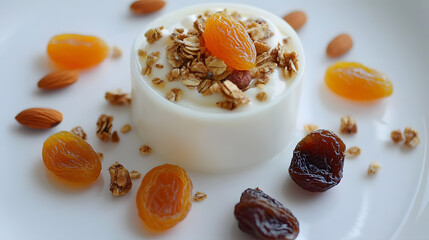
214	141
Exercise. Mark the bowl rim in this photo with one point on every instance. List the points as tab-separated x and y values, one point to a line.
277	21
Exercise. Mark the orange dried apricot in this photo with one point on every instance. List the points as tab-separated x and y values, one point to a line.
74	51
356	81
228	40
71	158
164	197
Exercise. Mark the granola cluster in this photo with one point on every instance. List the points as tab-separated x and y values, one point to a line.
195	67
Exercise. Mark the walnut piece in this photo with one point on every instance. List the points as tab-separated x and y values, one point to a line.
104	127
396	136
145	149
348	125
126	128
154	34
120	180
115	137
78	131
199	196
374	167
117	97
412	139
353	152
308	128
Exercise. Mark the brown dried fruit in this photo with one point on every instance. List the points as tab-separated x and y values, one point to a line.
296	19
58	79
39	118
120	180
240	78
147	6
340	45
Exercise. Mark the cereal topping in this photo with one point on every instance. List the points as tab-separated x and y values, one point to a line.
145	149
174	95
100	156
126	128
135	175
104	127
308	128
262	96
157	82
240	78
199	196
353	152
374	167
117	97
348	125
78	131
154	34
396	136
115	137
116	52
231	92
120	180
411	137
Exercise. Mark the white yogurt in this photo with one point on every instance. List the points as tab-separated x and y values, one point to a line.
196	135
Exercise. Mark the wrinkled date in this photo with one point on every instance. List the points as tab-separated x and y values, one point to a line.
317	162
264	217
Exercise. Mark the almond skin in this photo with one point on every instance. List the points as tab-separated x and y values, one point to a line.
339	45
39	118
296	19
58	79
146	6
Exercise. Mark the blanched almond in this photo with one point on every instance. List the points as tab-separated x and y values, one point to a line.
39	118
147	6
339	45
296	19
58	79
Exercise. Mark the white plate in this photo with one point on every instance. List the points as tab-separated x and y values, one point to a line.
390	36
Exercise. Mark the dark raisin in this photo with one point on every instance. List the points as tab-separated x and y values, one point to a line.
264	217
318	160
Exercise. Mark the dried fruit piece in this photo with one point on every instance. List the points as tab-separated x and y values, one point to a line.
120	180
227	39
317	162
358	82
146	6
58	79
296	19
74	51
340	45
264	217
39	118
71	158
164	197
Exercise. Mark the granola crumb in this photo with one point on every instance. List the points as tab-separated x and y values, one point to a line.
157	82
154	34
199	196
115	137
262	96
126	128
159	65
135	175
374	167
116	52
78	131
412	139
100	156
120	180
308	128
142	53
145	149
353	152
174	95
348	125
117	97
104	127
396	136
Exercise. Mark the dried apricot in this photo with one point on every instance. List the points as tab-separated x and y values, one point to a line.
317	162
164	197
228	40
358	82
74	51
71	158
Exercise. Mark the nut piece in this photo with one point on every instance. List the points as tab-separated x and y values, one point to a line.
104	127
296	19
126	128
120	180
100	156
39	118
199	196
396	136
353	152
348	125
117	97
135	175
145	149
115	137
308	128
411	137
240	78
58	79
78	131
374	167
339	45
153	34
116	52
146	6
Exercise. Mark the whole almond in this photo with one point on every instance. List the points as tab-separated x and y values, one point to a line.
339	45
58	79
147	6
296	19
39	118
